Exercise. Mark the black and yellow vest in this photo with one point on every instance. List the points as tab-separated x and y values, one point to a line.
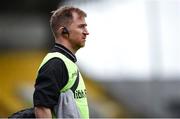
80	92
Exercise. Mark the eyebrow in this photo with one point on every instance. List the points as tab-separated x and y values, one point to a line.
83	24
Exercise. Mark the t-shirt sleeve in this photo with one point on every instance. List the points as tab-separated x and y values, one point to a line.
51	78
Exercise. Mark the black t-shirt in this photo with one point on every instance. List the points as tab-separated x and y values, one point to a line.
52	77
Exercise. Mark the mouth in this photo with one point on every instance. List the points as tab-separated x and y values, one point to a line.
84	38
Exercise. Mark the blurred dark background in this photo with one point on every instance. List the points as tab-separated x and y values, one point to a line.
24	23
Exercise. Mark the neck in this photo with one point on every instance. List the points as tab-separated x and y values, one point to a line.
67	45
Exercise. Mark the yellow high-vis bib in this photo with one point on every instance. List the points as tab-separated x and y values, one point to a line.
80	94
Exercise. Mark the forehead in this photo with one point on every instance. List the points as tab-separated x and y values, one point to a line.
78	19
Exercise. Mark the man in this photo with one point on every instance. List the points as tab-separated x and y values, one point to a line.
69	29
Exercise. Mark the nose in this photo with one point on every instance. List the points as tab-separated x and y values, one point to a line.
86	31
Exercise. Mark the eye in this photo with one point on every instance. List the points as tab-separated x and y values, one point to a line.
82	26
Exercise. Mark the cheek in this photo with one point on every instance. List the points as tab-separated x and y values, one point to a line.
77	34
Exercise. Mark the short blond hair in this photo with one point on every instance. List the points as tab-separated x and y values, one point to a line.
63	17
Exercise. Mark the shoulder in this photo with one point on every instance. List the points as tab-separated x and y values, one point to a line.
53	63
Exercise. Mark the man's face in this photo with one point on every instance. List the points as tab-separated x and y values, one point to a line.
78	32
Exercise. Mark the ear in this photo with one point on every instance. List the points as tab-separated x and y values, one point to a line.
60	30
65	31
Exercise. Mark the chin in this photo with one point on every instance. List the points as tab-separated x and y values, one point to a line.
83	45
